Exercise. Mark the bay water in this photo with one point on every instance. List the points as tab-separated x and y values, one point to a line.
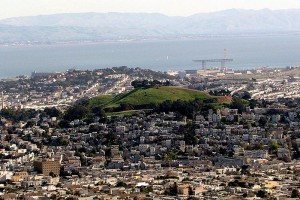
247	52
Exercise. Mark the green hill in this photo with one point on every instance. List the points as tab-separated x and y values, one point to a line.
146	96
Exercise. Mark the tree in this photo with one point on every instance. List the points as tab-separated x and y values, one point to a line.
263	121
53	196
238	103
252	103
245	169
121	184
76	112
18	115
145	83
62	141
83	101
189	135
172	190
223	151
52	174
52	112
64	124
273	147
167	83
77	193
136	84
261	194
126	106
246	95
295	193
30	124
98	111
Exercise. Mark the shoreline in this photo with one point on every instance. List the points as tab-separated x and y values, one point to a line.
154	39
16	77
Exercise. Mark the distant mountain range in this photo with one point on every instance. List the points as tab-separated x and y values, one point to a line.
138	26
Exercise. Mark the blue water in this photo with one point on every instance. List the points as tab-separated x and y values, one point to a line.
247	52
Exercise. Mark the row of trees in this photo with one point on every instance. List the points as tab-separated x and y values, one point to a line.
185	108
18	115
221	92
149	84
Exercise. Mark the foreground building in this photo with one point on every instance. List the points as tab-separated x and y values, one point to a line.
47	167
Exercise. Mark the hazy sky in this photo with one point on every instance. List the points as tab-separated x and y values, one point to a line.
14	8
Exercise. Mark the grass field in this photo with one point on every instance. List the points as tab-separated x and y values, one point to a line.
145	96
161	94
102	100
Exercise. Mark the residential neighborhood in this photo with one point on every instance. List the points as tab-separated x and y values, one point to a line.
248	148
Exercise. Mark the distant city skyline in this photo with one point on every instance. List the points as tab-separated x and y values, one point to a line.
16	8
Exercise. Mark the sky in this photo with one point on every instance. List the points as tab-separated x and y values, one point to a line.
16	8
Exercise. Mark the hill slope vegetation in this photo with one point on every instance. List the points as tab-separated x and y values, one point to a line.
143	97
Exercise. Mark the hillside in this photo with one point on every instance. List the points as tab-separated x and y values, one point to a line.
136	26
145	96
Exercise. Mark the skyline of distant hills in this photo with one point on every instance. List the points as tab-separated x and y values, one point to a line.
76	27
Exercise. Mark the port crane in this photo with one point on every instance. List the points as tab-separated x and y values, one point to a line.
222	61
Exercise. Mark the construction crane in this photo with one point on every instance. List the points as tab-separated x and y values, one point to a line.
222	61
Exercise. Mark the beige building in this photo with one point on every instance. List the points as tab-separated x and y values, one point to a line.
19	176
183	189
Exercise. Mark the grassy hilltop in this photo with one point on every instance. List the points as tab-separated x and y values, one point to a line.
146	96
